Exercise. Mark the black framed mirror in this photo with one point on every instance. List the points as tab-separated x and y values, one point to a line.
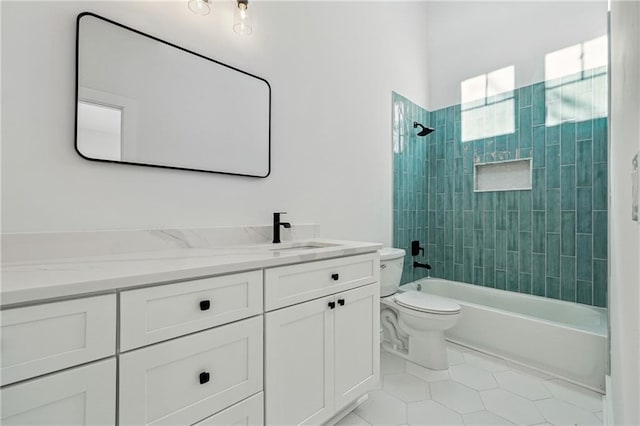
144	101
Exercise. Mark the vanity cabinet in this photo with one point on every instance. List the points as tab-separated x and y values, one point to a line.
285	345
321	355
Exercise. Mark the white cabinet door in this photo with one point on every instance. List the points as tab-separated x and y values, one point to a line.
299	364
357	343
79	396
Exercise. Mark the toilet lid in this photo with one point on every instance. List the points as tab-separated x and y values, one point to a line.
429	303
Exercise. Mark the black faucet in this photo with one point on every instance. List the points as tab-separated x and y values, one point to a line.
421	265
276	226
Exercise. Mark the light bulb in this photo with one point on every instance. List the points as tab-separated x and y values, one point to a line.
242	19
199	7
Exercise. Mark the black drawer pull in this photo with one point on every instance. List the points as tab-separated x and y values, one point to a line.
332	305
204	377
205	305
335	277
341	302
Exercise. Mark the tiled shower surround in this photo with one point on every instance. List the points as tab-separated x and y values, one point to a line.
549	241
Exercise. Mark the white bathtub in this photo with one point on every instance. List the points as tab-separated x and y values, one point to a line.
566	339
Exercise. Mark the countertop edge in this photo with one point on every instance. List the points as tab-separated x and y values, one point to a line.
36	295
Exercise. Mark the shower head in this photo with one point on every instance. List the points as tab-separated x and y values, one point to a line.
425	130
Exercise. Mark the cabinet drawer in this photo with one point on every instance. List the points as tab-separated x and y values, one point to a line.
161	384
39	339
249	412
80	396
159	313
287	285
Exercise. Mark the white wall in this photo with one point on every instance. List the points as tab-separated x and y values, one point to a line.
624	283
332	67
467	39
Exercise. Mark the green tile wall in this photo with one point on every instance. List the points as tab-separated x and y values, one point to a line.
410	181
550	241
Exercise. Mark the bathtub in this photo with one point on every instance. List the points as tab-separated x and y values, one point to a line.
565	339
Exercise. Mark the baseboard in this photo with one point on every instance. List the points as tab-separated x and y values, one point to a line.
346	410
607	403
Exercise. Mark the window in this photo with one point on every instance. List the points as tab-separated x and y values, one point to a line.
488	107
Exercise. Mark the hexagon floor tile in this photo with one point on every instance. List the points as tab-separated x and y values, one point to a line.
562	413
383	409
352	419
406	387
522	384
517	394
427	374
456	396
576	395
485	418
431	413
473	377
511	407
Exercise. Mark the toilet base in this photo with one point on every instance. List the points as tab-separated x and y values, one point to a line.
429	350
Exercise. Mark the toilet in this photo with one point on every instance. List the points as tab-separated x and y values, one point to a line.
413	320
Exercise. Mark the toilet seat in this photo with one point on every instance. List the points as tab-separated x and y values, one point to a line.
428	303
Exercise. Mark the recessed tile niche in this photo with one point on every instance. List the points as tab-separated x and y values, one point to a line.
513	175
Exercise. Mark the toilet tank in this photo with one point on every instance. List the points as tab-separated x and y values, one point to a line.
391	264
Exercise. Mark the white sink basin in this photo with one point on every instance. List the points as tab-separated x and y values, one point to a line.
303	245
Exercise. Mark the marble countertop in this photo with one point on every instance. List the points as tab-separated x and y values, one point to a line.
32	281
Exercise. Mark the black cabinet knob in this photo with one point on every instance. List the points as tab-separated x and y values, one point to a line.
332	305
204	377
205	305
335	277
341	302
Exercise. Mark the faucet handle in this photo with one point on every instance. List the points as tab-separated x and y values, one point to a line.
416	249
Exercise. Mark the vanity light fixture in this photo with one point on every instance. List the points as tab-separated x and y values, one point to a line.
242	18
200	7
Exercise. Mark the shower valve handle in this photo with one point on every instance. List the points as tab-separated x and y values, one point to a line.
416	249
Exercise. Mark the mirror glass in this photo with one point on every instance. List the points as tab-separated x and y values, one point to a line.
143	101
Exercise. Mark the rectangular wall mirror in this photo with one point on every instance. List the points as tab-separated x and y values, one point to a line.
144	101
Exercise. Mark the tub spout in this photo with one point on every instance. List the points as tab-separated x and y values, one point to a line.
421	265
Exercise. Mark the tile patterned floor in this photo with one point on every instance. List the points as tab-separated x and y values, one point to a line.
478	389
